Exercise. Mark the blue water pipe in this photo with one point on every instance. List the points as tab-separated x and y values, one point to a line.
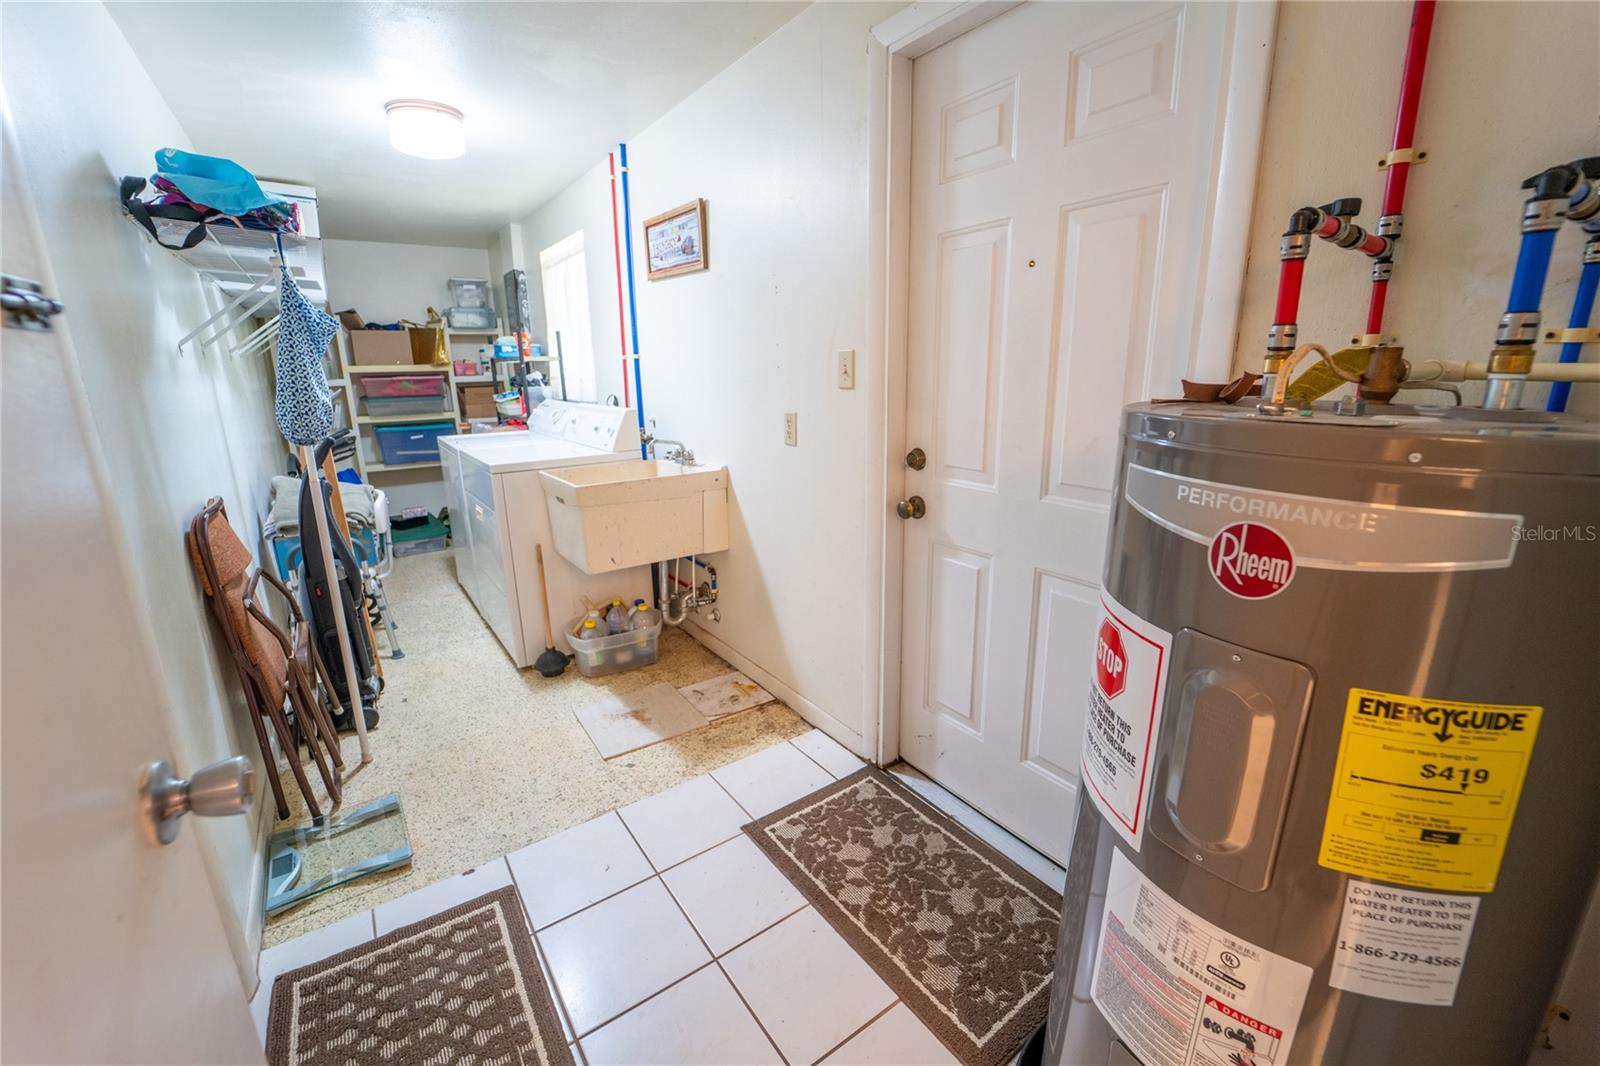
1582	309
1533	264
633	310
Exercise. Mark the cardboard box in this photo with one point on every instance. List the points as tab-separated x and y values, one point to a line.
380	347
477	401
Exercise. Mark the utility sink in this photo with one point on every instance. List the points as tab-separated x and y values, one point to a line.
610	516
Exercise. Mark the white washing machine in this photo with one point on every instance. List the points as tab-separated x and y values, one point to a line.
498	514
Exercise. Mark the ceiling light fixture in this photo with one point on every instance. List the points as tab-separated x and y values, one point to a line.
426	129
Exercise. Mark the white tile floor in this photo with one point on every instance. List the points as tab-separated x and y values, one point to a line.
667	937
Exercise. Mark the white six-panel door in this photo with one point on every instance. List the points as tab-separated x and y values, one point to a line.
1062	174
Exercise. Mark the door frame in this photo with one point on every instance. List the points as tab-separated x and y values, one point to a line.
892	46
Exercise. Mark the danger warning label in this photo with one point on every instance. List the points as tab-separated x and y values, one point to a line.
1425	791
1130	665
1181	991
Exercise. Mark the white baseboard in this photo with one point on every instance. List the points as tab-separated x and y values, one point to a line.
796	702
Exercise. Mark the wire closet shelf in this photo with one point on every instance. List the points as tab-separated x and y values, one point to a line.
242	264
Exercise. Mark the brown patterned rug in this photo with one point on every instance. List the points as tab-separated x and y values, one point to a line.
463	986
961	933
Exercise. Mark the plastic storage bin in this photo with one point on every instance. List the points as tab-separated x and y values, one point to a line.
470	317
397	386
389	406
431	536
599	656
469	292
412	444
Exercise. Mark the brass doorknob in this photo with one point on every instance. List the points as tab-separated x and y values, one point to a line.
912	508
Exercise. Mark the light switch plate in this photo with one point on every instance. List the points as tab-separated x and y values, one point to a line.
847	368
791	429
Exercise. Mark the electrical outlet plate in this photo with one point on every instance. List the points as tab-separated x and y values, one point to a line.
791	428
847	368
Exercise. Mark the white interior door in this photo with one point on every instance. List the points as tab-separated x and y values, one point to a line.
114	949
1062	177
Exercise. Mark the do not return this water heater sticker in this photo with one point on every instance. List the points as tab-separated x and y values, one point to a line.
1181	991
1425	791
1401	943
1119	730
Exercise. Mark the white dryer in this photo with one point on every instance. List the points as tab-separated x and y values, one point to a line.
498	513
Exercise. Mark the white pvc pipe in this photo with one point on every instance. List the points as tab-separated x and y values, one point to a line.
1429	371
352	683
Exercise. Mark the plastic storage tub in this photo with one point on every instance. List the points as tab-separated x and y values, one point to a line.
470	317
430	536
412	444
397	386
389	406
599	656
469	292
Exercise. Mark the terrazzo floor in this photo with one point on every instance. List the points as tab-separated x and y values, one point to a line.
486	757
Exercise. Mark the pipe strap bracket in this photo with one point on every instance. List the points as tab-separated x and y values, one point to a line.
1573	335
1373	340
1413	156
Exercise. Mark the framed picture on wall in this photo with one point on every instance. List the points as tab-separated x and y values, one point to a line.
675	241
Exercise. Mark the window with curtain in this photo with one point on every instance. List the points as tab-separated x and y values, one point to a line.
564	276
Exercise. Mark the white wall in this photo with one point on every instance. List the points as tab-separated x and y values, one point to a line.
386	282
1486	124
777	145
175	430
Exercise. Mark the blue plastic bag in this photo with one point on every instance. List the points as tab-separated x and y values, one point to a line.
215	182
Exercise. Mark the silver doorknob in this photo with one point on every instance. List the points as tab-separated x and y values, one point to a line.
222	788
912	508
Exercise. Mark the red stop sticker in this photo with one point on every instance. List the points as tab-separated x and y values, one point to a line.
1110	660
1251	560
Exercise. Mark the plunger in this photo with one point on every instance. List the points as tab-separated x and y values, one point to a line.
550	662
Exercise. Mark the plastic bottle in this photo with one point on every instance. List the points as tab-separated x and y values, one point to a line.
592	624
616	618
643	616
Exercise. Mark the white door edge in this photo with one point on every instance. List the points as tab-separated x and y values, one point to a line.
892	45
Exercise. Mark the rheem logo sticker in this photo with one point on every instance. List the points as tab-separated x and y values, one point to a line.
1251	560
1110	660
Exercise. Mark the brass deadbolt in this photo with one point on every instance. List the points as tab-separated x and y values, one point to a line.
916	458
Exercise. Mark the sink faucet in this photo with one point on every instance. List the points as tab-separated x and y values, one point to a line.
679	454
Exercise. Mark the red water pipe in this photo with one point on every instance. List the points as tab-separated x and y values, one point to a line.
1334	222
1289	275
1405	129
616	254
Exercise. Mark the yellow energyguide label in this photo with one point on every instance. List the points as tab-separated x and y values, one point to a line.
1425	791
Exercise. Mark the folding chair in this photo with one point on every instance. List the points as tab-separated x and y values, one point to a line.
221	562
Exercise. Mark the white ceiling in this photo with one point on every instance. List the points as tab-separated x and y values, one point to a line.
295	91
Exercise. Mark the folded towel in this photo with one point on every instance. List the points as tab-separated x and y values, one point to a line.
359	509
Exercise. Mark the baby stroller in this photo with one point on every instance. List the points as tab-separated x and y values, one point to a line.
344	590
